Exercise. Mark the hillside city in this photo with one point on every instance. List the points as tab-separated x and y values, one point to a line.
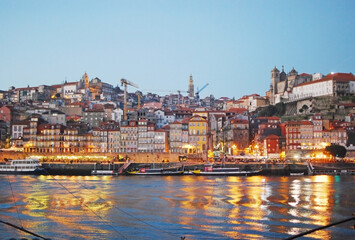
297	118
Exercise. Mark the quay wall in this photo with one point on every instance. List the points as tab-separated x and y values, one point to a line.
267	169
86	168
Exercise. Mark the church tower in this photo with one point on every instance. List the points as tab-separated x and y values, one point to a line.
275	79
86	78
191	87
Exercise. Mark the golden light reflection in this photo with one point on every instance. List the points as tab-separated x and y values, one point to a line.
75	199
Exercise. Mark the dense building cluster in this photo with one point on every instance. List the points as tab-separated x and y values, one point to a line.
87	116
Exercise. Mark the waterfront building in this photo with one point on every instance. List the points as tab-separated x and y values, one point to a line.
17	132
161	143
198	129
151	137
299	135
142	136
175	137
129	137
272	147
50	138
74	141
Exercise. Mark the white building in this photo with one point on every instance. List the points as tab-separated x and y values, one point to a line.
338	84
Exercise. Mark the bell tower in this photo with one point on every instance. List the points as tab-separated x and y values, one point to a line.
191	87
275	79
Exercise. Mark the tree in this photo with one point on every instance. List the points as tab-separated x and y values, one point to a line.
336	150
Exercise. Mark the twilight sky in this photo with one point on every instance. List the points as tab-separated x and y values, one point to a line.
232	45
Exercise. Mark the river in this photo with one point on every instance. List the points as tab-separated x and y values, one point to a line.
153	207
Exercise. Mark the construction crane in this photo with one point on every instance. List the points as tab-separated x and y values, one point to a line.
124	83
197	94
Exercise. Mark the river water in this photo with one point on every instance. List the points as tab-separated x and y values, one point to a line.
171	207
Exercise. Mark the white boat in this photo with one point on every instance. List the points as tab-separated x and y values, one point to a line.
297	174
103	172
21	166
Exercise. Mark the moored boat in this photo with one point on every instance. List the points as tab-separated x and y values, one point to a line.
104	172
22	166
223	171
296	174
155	171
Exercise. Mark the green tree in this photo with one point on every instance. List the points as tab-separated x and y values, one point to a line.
336	150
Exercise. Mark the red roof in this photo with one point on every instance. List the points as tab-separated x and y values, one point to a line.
338	77
305	74
70	83
242	121
347	104
272	136
302	122
238	110
269	118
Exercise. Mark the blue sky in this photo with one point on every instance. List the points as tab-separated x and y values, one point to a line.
232	45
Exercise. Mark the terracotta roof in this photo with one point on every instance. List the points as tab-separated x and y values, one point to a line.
185	120
269	118
347	104
70	83
238	110
240	121
303	122
338	77
81	104
28	88
305	74
94	110
272	136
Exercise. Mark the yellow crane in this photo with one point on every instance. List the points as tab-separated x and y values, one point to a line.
125	82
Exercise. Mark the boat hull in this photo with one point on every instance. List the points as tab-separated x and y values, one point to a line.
237	173
31	172
167	173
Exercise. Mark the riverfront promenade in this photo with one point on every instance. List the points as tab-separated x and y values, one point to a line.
72	164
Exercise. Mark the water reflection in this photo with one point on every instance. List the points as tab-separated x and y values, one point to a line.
196	207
